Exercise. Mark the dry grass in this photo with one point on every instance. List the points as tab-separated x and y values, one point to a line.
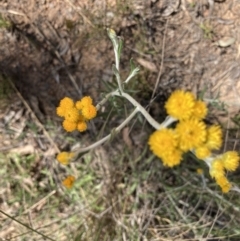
122	191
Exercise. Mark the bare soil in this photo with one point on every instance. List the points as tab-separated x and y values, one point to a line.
58	48
55	48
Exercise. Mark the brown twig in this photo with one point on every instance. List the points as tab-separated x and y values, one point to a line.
162	60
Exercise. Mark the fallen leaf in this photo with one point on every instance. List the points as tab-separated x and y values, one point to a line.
147	64
23	150
170	7
225	42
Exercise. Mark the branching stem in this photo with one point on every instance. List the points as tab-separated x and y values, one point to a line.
116	130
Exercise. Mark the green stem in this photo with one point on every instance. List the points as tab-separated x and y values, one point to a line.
150	120
116	130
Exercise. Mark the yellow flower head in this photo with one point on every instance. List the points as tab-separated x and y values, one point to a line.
72	114
172	158
61	111
81	126
68	181
64	157
162	141
230	160
65	104
84	102
202	152
192	134
200	110
89	112
76	115
217	168
180	104
223	182
69	125
214	137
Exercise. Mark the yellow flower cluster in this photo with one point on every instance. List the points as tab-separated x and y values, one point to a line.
183	105
191	134
76	114
229	161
